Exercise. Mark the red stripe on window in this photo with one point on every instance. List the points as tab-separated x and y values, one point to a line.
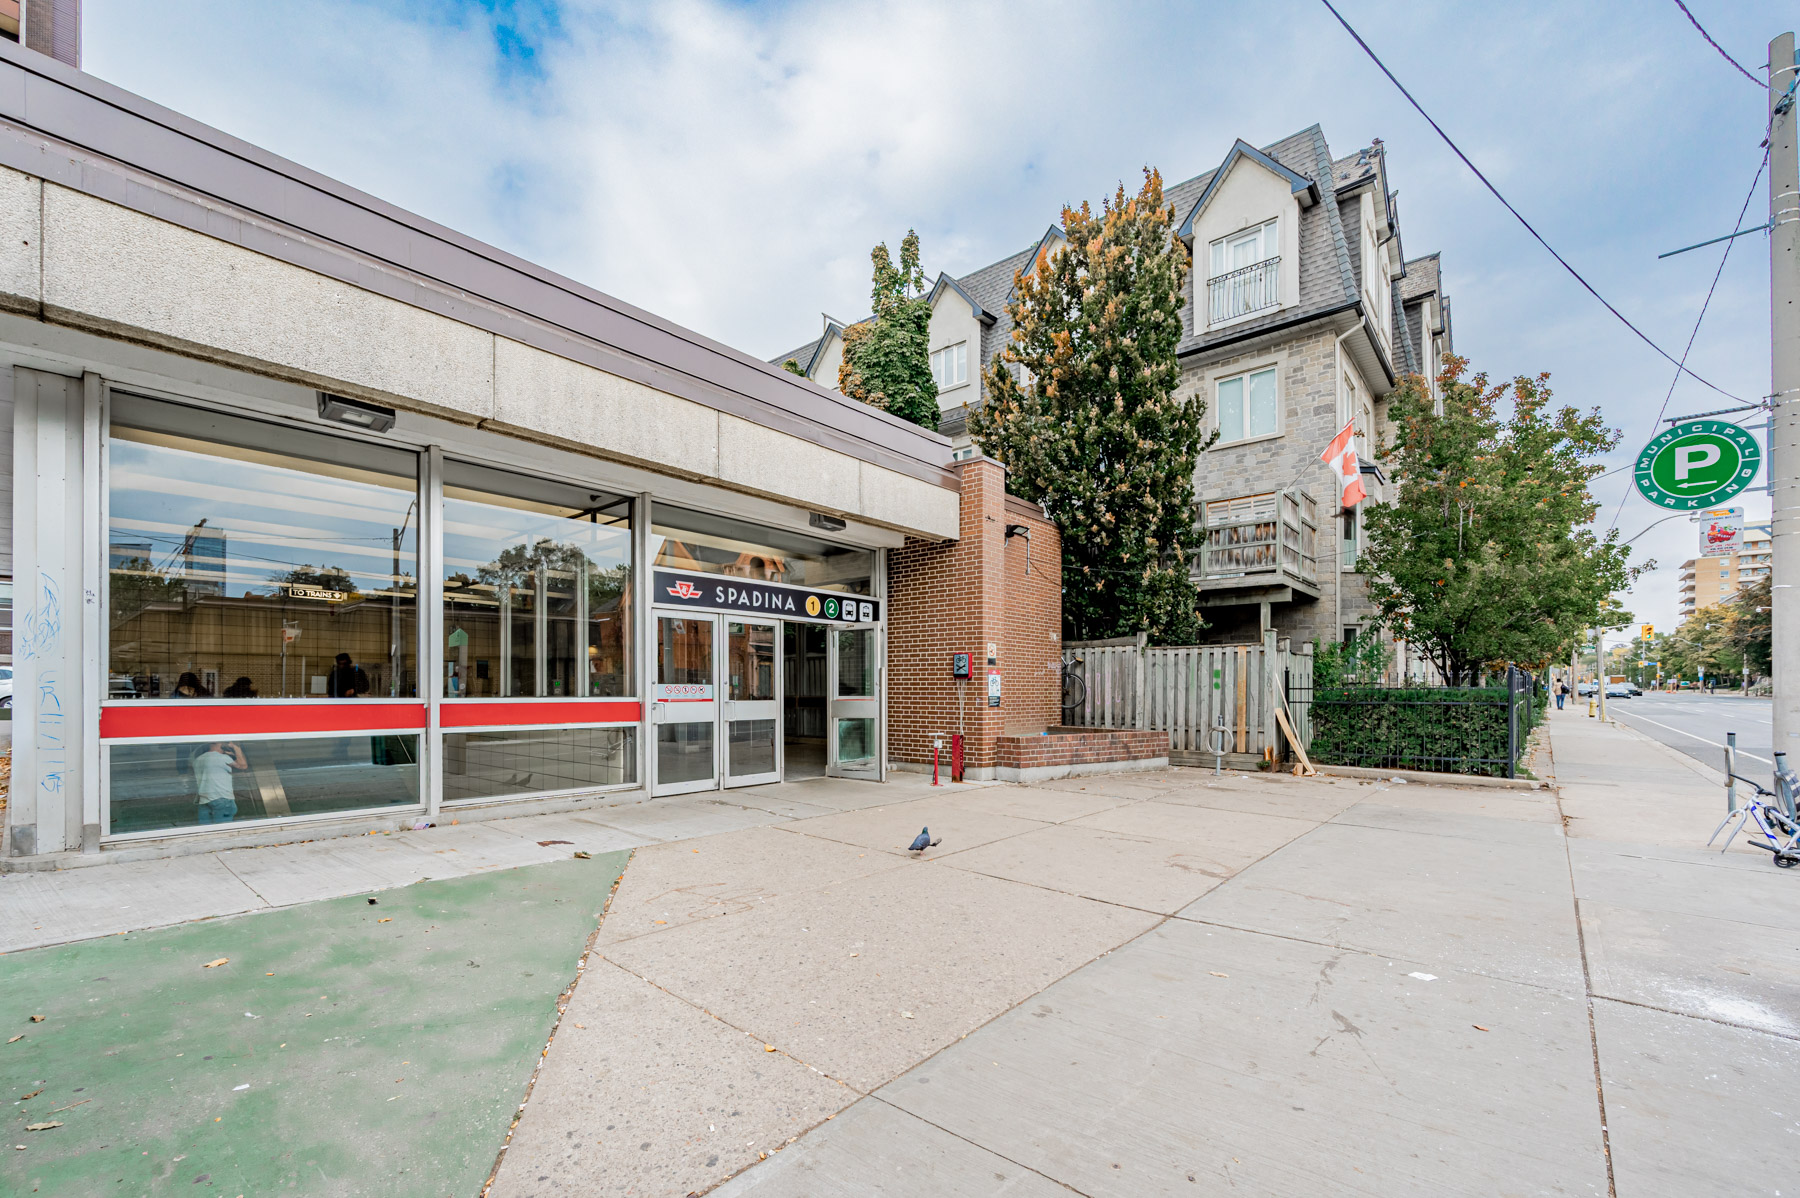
257	719
476	714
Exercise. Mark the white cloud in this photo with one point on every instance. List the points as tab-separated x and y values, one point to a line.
728	166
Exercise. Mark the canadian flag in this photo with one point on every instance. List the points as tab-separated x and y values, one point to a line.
1340	455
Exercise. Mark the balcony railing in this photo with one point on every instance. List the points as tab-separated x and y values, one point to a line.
1273	533
1246	290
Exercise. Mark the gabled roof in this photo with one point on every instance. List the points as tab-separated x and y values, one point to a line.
946	283
1301	186
1421	279
1053	233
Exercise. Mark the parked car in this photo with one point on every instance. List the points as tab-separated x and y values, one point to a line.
1619	690
1636	690
1585	688
6	681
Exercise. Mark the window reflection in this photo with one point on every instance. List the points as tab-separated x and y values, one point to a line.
490	765
238	569
707	544
537	588
224	781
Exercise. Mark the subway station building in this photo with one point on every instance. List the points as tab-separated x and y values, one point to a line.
325	518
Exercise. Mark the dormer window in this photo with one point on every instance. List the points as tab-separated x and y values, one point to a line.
1245	275
950	365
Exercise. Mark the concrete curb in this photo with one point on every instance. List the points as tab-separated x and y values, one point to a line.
1470	780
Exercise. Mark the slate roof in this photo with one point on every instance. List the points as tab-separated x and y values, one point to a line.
1328	278
1421	278
803	355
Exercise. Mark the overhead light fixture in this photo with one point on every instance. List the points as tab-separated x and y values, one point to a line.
828	523
355	413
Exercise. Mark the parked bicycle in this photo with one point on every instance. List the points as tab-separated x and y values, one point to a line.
1776	823
1074	686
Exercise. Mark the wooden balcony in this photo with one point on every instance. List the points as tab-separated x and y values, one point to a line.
1264	546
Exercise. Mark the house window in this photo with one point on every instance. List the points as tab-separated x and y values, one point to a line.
1244	277
950	366
962	453
1247	405
1348	555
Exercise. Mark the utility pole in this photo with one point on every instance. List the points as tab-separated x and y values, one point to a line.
1784	390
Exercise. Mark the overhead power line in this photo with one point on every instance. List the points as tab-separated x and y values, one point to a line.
1695	22
1705	304
1575	274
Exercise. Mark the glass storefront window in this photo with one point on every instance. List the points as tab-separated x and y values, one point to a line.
251	561
537	587
491	765
686	540
227	781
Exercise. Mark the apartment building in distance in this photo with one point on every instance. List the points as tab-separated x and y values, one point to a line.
1708	581
1303	313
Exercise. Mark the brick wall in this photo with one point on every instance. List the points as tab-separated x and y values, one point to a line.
1079	748
960	596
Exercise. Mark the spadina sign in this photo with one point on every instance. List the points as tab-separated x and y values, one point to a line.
1697	464
764	598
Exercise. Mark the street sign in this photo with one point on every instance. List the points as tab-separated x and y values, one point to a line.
1697	464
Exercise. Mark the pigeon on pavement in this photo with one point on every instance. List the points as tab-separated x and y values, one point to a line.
923	841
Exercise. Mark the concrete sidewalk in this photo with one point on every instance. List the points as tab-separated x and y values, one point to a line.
58	907
1167	983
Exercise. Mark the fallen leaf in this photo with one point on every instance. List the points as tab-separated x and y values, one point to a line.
37	1019
1478	1027
222	960
580	856
544	844
582	1026
16	1038
659	921
1217	974
41	1126
30	1096
389	919
768	1048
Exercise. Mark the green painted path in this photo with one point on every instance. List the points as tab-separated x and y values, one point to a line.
343	1049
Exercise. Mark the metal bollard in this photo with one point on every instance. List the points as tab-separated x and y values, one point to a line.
1730	773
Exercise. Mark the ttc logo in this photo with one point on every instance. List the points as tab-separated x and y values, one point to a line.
685	590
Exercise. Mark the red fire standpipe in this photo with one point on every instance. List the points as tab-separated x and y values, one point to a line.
956	757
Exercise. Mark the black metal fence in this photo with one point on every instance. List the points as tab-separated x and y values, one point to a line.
1453	730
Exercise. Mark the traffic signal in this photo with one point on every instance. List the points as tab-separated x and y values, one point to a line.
1647	631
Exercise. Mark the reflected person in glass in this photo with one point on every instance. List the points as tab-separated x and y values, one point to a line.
213	769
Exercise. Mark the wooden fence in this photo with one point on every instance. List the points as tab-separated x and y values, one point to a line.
1206	697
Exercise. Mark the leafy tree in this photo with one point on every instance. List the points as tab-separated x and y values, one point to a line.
1747	620
1082	410
1364	660
792	366
1485	555
887	358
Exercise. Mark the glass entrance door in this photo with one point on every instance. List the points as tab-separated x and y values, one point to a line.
752	702
685	704
853	732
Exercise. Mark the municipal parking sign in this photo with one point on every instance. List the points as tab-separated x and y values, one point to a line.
1697	464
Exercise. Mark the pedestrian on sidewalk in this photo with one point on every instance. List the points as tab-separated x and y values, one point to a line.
1562	693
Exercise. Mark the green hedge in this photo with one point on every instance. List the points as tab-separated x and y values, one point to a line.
1447	730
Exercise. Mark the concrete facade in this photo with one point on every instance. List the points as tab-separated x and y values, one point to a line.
151	265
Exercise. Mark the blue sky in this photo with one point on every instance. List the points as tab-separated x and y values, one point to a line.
728	165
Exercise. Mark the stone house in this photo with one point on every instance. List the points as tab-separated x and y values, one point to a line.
1303	313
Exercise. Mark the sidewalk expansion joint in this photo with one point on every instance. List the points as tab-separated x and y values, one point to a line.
1587	985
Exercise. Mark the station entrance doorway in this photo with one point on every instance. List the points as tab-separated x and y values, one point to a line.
741	700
